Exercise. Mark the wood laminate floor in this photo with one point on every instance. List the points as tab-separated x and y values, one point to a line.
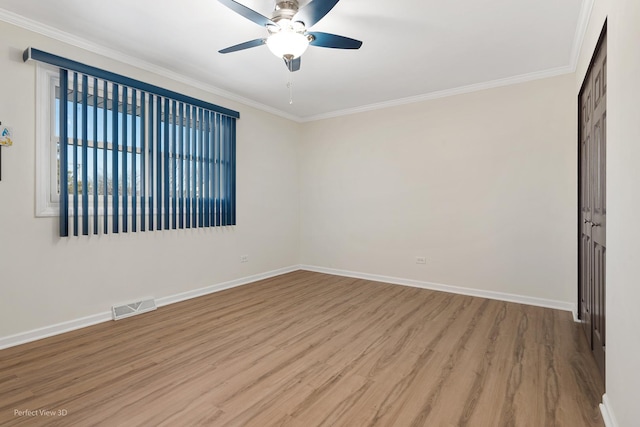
307	349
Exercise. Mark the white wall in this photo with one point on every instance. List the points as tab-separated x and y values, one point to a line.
482	184
623	206
45	280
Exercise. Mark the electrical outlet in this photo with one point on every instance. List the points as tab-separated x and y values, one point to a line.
244	258
421	260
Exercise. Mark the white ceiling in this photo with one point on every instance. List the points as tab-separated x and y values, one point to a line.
413	49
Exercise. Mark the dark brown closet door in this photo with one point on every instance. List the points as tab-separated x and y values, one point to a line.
593	126
599	212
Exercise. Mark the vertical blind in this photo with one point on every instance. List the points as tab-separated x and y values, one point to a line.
134	157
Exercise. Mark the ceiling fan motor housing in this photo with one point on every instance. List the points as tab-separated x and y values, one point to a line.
285	9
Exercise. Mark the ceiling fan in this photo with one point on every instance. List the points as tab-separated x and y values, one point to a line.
288	37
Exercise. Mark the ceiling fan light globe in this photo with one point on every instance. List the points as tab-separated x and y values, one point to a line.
287	44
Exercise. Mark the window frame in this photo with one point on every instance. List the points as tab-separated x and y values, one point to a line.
46	160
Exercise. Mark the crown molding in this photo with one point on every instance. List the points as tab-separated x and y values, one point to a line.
578	39
445	93
581	30
54	33
70	39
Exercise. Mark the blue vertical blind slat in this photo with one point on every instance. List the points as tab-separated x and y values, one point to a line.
218	172
63	144
206	169
174	181
223	157
75	154
114	160
159	163
187	129
143	163
212	169
134	162
194	163
200	168
105	157
85	156
95	156
140	161
125	154
225	165
165	160
181	166
232	172
150	146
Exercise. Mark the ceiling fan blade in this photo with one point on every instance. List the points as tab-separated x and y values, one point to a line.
314	11
242	46
333	41
293	65
250	14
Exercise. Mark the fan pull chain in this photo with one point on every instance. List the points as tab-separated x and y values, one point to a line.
290	86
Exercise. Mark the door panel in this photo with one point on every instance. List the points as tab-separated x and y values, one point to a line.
598	315
585	209
585	303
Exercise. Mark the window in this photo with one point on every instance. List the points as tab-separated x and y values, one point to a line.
117	155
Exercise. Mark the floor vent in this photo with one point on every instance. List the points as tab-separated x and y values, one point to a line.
131	309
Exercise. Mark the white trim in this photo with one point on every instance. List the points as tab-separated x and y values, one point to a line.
161	302
581	30
578	39
45	175
501	296
56	34
445	93
607	413
71	325
575	315
57	329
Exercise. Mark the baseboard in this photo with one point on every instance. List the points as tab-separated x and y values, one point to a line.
71	325
607	413
575	315
161	302
57	329
521	299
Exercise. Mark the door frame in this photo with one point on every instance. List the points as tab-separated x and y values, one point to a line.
601	37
